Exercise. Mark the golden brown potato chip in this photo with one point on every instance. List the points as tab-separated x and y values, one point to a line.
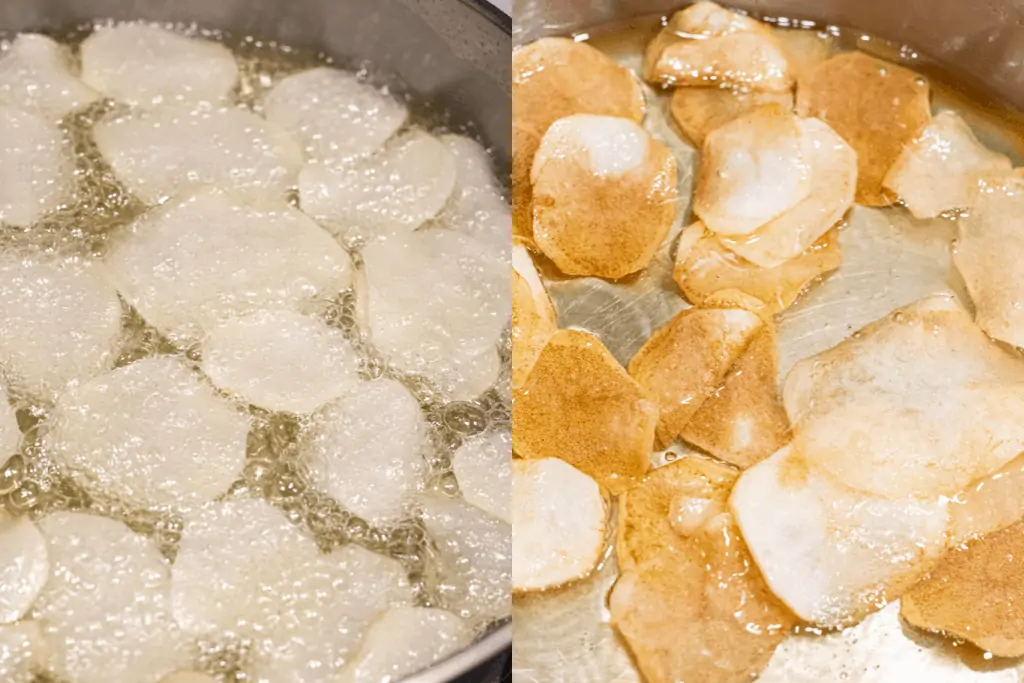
989	504
604	195
698	111
533	316
704	267
580	405
876	106
804	49
524	146
976	593
708	45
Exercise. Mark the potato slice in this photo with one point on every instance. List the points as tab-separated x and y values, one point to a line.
876	106
533	316
975	593
804	49
483	468
833	181
36	75
699	111
986	254
989	504
24	566
23	651
939	171
685	362
188	677
36	167
754	168
525	142
580	405
706	44
604	195
704	267
559	524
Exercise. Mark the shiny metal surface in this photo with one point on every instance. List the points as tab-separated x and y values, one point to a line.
453	53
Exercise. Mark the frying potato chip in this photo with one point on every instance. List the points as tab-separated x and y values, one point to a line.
698	111
524	145
989	504
580	405
804	49
876	106
533	316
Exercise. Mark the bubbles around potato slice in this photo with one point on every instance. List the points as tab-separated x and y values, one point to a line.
604	195
754	169
580	405
704	267
876	106
22	651
36	167
24	566
833	166
366	450
483	468
150	434
335	114
200	260
36	75
559	524
400	187
146	65
708	45
176	149
699	111
60	323
280	360
106	609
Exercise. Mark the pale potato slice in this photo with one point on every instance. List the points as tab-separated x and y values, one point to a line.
36	75
10	433
833	182
22	651
144	64
105	611
559	524
686	361
989	504
704	267
335	115
804	49
176	149
478	206
280	360
939	171
973	594
706	44
876	106
36	167
920	403
188	677
698	111
831	553
533	316
580	405
229	258
604	195
24	566
400	187
986	256
753	169
483	468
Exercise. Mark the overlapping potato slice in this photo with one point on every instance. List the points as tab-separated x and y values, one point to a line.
691	580
23	651
533	316
987	256
604	195
580	405
804	49
876	106
975	593
753	169
939	171
706	44
36	75
36	167
831	553
553	78
704	267
24	566
989	504
833	166
559	524
698	111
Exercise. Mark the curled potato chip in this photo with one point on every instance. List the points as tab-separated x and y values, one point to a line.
698	111
704	267
580	405
876	106
533	316
604	195
706	44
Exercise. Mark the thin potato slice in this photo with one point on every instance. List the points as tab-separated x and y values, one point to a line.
804	49
525	142
833	181
976	593
580	405
533	316
24	566
37	75
559	524
989	504
699	111
754	168
940	170
706	44
876	106
604	195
